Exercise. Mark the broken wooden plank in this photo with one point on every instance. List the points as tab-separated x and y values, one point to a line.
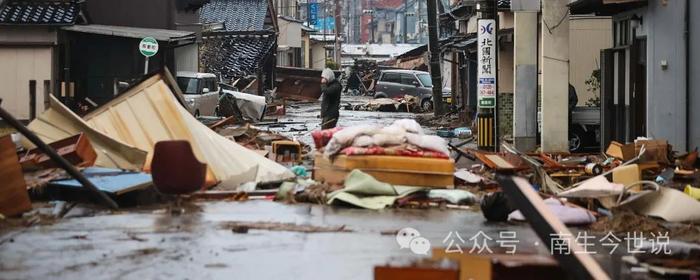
63	163
243	227
76	149
550	229
14	199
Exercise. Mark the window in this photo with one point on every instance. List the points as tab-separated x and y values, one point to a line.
188	85
391	78
408	79
425	80
623	32
211	84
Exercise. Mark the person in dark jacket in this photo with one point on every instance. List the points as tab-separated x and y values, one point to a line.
330	104
353	82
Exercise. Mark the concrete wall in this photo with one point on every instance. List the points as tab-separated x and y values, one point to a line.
19	65
290	33
306	45
26	53
505	68
666	89
587	37
506	20
318	60
694	82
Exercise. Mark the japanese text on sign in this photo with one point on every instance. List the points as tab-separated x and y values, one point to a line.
486	59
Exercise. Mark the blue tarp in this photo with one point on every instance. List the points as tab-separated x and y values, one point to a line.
109	180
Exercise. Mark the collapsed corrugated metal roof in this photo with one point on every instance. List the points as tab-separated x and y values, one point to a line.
16	12
235	56
150	112
237	15
58	122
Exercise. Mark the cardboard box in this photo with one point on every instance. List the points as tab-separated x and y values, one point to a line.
621	151
656	150
286	151
397	170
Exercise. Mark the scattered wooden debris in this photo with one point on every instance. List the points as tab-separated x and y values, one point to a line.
243	227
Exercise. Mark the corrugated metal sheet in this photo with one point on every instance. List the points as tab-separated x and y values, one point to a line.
150	112
59	122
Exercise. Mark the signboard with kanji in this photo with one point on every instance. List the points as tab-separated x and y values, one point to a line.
313	13
486	59
148	46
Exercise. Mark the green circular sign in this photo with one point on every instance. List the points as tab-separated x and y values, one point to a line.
148	46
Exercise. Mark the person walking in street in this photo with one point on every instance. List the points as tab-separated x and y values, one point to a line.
330	104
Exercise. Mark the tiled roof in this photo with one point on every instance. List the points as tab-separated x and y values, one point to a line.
237	15
235	56
504	4
26	12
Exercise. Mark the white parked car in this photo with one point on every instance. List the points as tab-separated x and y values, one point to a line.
201	92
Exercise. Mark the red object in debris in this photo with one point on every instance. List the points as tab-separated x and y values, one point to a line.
175	168
392	151
322	137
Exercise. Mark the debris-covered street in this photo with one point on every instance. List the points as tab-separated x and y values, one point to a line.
346	139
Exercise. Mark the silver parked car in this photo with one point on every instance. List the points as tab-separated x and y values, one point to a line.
201	92
397	83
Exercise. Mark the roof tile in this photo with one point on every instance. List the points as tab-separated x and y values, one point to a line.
235	56
39	12
237	15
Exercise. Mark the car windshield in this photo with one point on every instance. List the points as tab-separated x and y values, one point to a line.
188	85
425	80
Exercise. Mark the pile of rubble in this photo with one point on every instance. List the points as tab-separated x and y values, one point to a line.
113	154
408	104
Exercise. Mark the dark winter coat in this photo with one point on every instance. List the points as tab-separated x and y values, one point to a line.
330	104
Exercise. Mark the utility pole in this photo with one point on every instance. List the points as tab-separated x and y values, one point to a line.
487	75
325	24
434	48
405	21
371	22
338	28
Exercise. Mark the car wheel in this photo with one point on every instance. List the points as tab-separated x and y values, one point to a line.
578	140
427	105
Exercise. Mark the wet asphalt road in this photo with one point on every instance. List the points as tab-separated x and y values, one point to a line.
146	244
